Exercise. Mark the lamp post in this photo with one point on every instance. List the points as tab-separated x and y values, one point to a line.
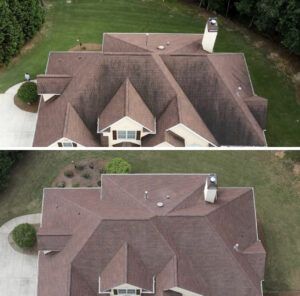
27	76
79	41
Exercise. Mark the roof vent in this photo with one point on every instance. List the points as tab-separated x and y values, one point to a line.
146	195
160	47
236	247
168	196
210	189
168	43
160	204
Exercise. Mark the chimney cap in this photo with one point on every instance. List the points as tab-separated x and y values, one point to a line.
212	24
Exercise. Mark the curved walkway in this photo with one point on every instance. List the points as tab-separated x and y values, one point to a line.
18	272
17	127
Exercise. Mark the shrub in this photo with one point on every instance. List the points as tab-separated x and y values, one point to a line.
69	174
118	166
102	171
75	185
99	183
79	167
24	235
61	184
28	92
86	175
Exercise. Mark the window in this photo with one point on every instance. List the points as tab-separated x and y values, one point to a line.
130	135
127	292
121	134
66	144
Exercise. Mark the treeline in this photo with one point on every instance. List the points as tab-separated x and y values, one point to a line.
19	21
7	159
278	19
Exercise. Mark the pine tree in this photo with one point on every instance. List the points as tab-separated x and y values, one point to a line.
11	37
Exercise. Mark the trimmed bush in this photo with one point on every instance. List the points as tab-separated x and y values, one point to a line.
79	167
118	166
24	235
61	184
99	183
75	185
69	174
86	175
27	93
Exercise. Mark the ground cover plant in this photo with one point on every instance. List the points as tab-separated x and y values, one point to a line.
87	20
276	192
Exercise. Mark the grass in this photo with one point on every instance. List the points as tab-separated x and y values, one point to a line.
90	18
276	191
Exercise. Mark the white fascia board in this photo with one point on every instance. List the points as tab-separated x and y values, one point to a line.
127	117
181	124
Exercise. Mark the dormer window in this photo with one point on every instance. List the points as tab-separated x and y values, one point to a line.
126	292
66	144
128	135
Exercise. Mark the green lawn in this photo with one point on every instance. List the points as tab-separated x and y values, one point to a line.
90	18
276	191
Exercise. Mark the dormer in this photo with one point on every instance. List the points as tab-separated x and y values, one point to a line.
126	118
126	274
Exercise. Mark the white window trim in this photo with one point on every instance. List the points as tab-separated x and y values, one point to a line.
126	135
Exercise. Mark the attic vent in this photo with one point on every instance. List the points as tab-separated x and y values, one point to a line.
161	47
239	88
160	204
236	247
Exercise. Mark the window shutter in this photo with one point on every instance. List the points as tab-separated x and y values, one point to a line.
59	144
115	290
138	292
74	144
138	135
114	135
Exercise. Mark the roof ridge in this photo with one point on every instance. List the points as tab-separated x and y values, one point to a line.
127	96
231	254
241	104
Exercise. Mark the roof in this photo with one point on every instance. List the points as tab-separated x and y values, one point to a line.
116	234
126	102
212	92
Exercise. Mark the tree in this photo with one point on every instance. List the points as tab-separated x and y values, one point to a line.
118	166
30	15
247	8
11	37
7	158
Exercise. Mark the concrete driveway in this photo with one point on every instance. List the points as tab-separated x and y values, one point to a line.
18	272
17	127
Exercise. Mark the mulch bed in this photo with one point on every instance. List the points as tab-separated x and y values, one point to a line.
91	167
29	251
33	108
87	47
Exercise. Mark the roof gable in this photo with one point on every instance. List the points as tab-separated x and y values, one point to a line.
127	102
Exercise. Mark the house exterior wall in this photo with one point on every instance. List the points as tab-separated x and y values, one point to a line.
126	123
185	292
209	39
164	144
55	144
190	138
